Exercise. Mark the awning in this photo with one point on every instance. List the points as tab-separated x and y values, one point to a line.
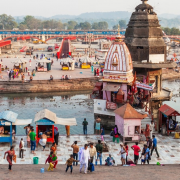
22	122
45	113
168	111
66	121
111	87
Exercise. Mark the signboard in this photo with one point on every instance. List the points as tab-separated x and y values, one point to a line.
111	105
144	86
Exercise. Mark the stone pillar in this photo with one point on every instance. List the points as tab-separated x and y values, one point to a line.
43	37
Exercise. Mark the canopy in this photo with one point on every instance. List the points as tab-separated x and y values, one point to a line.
22	122
45	113
8	116
43	61
67	121
168	111
111	87
19	61
66	60
86	59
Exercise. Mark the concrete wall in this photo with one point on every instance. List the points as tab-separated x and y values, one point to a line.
40	86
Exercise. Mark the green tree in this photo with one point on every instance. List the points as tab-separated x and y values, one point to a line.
71	25
103	25
122	24
85	25
7	22
31	22
95	25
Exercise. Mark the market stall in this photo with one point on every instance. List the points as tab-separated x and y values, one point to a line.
43	65
19	66
67	64
45	121
8	123
86	62
167	119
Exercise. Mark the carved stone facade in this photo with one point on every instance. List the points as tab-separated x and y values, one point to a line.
144	36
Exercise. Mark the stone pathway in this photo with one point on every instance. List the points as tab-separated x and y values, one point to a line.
168	148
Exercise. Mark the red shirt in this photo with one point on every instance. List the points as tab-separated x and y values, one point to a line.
136	150
127	148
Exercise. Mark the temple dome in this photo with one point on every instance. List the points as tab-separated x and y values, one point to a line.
118	62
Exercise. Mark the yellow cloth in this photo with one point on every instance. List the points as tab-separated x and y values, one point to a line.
51	166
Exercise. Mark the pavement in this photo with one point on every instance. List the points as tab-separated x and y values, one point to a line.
55	71
168	148
145	172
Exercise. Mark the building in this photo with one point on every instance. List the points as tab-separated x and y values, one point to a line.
117	79
144	38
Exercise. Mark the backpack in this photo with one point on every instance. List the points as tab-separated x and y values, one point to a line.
112	133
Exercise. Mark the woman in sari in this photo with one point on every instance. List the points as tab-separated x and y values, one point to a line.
10	156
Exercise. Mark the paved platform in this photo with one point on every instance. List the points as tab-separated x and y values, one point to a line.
140	172
168	147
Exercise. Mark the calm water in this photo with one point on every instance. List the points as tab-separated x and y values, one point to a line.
66	105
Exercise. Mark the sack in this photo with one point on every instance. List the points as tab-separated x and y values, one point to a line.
14	158
92	167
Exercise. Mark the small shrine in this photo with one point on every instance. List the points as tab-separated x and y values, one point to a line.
128	121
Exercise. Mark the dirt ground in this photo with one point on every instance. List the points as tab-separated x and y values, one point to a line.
144	172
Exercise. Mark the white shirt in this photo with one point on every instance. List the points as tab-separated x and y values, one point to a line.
22	143
85	156
151	127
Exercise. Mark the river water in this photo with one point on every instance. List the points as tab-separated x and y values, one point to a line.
65	105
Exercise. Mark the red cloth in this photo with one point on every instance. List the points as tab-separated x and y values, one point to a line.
116	136
136	150
9	156
56	128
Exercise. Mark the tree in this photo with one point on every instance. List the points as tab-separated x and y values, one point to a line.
103	25
7	22
22	26
95	25
31	22
122	24
115	27
71	25
85	26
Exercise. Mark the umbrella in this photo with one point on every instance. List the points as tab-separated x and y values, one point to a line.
86	59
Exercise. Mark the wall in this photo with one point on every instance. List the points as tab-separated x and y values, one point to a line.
119	121
40	86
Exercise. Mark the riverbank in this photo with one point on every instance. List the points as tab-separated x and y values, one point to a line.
44	86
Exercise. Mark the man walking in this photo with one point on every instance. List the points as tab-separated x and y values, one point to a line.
75	152
136	149
92	152
32	136
21	148
84	159
85	123
99	149
154	146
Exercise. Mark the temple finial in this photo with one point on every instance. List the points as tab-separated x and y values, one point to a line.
144	1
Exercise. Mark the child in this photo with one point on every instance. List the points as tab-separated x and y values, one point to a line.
69	163
142	158
52	159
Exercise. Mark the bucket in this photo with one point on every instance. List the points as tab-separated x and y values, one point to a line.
42	170
35	160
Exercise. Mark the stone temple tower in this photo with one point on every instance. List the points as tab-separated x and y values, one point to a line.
144	37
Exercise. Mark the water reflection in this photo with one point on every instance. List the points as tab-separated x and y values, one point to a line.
65	105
